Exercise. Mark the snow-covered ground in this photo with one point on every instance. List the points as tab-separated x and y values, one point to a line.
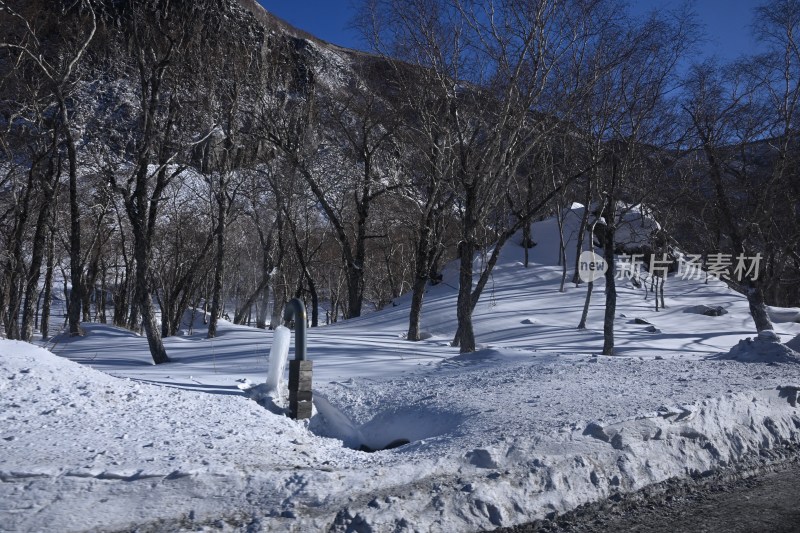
532	423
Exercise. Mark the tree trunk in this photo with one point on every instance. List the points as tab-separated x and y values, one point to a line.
654	287
754	293
139	215
89	289
145	304
467	297
465	336
122	281
216	301
3	303
121	291
48	281
355	289
76	268
49	183
167	315
415	314
355	270
611	288
14	303
244	310
422	265
562	248
527	241
34	271
101	300
15	266
312	289
134	316
261	319
585	313
758	310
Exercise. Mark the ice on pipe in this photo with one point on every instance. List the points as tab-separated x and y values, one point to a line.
278	355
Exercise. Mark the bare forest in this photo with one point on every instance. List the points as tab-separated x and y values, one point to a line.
160	156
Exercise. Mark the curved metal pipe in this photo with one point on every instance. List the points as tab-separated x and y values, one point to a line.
295	310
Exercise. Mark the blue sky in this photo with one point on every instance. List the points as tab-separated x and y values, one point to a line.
327	19
726	21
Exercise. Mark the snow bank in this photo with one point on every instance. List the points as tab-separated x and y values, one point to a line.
765	348
636	227
80	449
794	344
528	439
783	314
495	438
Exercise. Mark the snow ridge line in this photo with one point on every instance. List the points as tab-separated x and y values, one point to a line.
598	463
523	485
13	476
765	462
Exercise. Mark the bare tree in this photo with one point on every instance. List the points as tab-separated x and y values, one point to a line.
727	113
777	25
162	43
491	64
359	154
266	218
420	101
640	121
181	255
55	57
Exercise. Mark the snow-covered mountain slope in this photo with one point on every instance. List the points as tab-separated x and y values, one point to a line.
530	424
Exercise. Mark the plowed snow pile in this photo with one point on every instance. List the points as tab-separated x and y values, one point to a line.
764	348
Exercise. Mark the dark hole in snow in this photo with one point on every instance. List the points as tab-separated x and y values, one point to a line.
394	444
388	429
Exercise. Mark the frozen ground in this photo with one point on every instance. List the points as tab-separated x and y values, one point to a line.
531	423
